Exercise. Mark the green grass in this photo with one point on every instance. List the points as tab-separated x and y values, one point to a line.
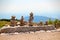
2	23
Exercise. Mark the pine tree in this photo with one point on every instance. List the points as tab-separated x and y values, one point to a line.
50	22
57	23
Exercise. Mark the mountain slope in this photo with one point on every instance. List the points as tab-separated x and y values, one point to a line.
39	18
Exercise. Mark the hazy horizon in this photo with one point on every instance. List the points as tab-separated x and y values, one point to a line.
18	8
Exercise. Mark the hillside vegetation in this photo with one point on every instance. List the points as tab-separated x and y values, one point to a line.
2	23
56	22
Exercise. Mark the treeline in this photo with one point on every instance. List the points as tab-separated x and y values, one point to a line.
7	20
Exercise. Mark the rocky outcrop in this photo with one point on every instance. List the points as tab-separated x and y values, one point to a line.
25	29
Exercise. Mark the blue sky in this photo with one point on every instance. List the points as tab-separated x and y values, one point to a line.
18	8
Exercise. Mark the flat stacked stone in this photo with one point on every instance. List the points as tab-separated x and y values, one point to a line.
31	19
13	21
22	21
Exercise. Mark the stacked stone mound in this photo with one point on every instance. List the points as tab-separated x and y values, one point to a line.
13	21
25	29
22	28
31	19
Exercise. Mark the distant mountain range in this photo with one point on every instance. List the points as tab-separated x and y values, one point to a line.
39	18
36	19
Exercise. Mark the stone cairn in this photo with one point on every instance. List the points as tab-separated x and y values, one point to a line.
41	23
22	21
31	19
13	21
46	23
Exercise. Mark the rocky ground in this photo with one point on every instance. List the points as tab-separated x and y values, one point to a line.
31	36
38	35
